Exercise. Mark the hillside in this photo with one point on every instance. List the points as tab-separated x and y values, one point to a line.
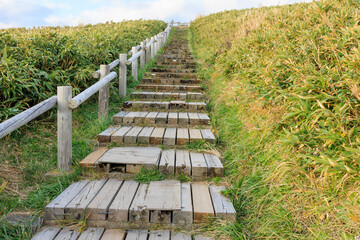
284	84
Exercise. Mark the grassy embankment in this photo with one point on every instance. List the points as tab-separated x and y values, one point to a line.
27	154
284	89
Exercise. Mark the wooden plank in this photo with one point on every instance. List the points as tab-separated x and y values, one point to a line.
129	118
194	118
46	233
183	118
144	135
159	216
195	135
118	136
92	234
215	167
159	235
173	118
67	234
164	195
182	136
161	118
170	136
167	162
222	205
203	238
140	119
119	208
56	208
157	135
118	118
201	202
204	118
198	164
137	235
183	164
185	216
131	136
113	234
76	208
98	207
138	209
182	96
177	104
158	95
105	136
132	155
180	236
90	160
150	118
208	135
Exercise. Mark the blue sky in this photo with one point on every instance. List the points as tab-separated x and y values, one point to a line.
29	13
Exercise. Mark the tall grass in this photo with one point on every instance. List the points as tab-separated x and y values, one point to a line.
285	94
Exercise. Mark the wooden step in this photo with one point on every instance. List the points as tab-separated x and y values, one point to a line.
162	119
175	70
170	81
132	135
182	66
155	75
169	88
176	62
118	204
96	233
168	95
130	160
164	105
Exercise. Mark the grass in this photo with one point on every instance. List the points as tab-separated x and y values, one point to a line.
283	84
147	175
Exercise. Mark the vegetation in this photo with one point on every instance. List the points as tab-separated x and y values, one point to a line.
285	97
34	62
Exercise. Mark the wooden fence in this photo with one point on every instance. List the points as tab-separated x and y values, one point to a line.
144	52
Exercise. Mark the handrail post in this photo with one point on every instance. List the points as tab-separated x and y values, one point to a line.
134	64
156	44
64	128
104	93
152	47
122	75
142	56
148	52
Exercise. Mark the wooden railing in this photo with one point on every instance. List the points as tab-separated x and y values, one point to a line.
144	52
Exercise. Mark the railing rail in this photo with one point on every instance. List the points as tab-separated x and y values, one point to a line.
144	52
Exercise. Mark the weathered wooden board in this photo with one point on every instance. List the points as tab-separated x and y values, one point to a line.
157	135
183	118
182	96
194	118
92	234
76	208
185	216
167	162
195	135
129	118
67	234
91	159
105	136
215	167
222	205
144	135
137	235
140	119
151	118
170	136
164	195
177	104
118	136
46	233
204	118
182	136
161	118
131	136
132	155
201	202
173	118
98	207
118	118
183	164
208	135
56	208
180	236
159	235
113	234
138	209
203	238
119	208
198	164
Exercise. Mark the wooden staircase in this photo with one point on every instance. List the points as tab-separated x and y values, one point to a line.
166	112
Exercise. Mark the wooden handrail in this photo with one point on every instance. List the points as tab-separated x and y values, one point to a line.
96	74
133	58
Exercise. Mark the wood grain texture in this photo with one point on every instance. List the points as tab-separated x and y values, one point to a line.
159	235
91	159
198	164
92	234
105	136
215	167
67	234
183	164
201	202
113	234
170	136
222	205
144	135
46	233
138	209
118	136
164	195
185	216
182	136
137	235
167	162
157	135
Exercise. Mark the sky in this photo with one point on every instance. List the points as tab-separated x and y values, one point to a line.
29	13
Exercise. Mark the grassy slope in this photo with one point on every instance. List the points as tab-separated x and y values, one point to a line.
285	96
31	152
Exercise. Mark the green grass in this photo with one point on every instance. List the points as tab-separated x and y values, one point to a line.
146	175
283	83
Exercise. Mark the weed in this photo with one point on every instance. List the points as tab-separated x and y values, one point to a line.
183	178
146	175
